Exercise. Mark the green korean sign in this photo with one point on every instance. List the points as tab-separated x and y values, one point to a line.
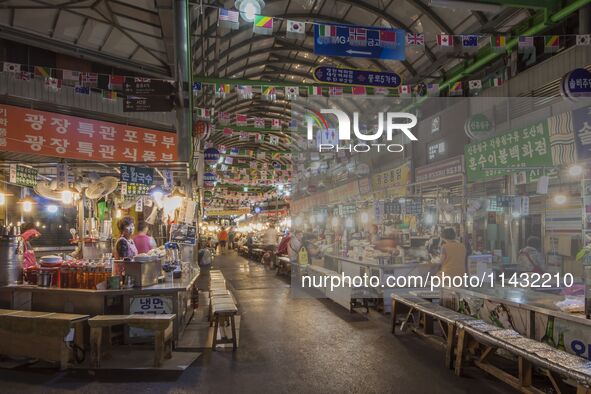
510	152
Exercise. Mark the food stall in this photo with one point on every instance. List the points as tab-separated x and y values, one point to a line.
59	210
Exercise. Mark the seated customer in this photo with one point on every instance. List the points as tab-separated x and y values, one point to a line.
453	254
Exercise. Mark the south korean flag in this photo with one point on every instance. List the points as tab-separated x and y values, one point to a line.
292	92
584	39
11	67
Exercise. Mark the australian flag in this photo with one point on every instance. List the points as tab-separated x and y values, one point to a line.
470	40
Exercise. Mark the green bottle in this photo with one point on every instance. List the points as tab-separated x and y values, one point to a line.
548	337
560	345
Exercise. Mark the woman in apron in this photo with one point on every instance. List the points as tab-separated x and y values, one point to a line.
125	248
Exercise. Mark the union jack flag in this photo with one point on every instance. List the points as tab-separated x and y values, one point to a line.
415	39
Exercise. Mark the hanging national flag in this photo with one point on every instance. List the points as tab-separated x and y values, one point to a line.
551	44
70	77
276	124
228	131
359	90
79	89
405	91
196	87
24	76
42	71
203	113
223	118
222	89
259	137
497	81
263	25
292	92
116	82
259	123
314	91
475	86
334	91
387	38
525	44
274	140
583	39
261	155
269	93
498	43
12	67
415	39
228	19
381	91
445	40
432	89
241	120
327	33
229	160
244	92
234	151
53	84
358	36
296	29
89	79
456	89
110	95
292	125
243	136
470	41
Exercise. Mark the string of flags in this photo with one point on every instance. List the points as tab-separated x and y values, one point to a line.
83	82
358	35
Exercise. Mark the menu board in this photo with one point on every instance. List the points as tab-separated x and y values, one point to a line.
183	234
413	206
22	175
523	147
392	207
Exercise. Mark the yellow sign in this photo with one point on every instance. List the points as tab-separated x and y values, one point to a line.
394	180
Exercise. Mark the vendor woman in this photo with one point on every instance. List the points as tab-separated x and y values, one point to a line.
453	254
125	247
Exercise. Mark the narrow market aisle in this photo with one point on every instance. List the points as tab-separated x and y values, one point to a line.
286	346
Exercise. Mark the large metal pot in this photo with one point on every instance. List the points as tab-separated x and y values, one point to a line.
11	260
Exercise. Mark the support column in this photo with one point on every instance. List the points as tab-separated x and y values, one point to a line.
585	19
183	79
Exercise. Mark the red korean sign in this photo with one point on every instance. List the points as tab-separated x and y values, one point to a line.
50	134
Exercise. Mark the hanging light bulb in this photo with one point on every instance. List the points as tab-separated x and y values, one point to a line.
575	170
67	196
2	198
560	199
364	217
118	214
27	206
52	208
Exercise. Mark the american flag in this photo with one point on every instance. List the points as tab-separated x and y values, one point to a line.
388	38
358	36
415	39
228	15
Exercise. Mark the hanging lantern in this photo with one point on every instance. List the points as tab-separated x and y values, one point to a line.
201	129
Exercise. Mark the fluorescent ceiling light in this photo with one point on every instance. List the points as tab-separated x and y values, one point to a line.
456	4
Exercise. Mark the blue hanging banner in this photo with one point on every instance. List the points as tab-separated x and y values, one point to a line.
347	76
356	41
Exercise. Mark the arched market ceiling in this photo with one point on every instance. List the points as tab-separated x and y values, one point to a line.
138	35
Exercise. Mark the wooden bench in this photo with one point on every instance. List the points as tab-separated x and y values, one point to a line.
40	335
529	353
422	314
223	311
162	325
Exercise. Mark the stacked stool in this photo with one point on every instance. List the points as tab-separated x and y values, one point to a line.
222	308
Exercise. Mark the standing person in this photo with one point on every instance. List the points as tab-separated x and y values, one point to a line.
453	254
269	239
231	236
222	239
125	247
249	243
530	259
144	242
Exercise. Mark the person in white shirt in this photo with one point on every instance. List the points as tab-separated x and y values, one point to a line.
270	236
